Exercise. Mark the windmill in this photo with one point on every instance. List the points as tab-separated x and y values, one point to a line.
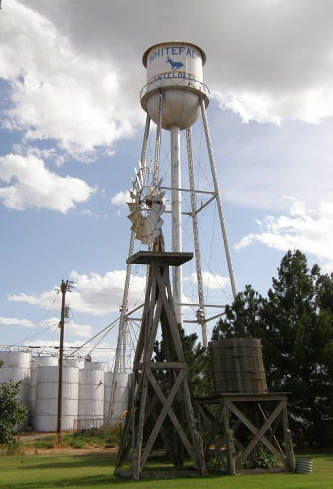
146	208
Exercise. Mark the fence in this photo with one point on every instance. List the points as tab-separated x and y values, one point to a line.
96	423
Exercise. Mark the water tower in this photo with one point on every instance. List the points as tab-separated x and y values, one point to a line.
173	98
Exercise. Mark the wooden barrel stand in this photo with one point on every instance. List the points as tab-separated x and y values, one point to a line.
264	415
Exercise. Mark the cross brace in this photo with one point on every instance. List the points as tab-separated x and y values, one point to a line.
264	428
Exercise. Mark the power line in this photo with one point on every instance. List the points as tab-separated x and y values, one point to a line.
32	336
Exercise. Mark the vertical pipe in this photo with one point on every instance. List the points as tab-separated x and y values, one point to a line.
144	143
176	212
158	140
218	197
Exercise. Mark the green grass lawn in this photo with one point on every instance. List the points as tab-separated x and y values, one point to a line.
96	471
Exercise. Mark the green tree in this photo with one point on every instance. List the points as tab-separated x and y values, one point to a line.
12	411
299	318
243	317
295	323
196	359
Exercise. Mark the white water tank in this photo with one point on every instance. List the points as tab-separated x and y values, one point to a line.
120	401
91	395
36	362
47	398
16	367
175	69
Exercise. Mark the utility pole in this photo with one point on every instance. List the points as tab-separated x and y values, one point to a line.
64	287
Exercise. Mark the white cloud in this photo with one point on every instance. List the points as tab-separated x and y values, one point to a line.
77	329
57	91
89	213
210	280
121	198
72	328
27	323
103	294
94	294
33	185
309	231
309	105
266	60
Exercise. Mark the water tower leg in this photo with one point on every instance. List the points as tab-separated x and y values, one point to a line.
218	198
201	311
176	209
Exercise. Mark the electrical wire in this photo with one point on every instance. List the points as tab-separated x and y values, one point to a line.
109	326
33	335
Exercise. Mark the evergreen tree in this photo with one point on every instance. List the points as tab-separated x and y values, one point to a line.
295	324
196	361
300	322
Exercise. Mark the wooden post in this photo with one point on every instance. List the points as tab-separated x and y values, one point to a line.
229	440
288	440
230	452
63	290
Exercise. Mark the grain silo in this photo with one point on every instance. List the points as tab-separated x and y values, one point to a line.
36	362
91	395
47	398
118	387
17	368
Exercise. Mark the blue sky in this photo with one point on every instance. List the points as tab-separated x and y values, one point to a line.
71	134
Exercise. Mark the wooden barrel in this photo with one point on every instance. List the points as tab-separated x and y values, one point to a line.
238	365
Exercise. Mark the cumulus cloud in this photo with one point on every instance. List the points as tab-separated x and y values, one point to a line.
77	329
72	328
31	184
210	280
93	293
267	60
103	294
121	198
27	323
57	91
304	229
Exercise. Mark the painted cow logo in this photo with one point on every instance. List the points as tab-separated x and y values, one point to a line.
175	65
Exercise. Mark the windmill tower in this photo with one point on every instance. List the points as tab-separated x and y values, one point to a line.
173	98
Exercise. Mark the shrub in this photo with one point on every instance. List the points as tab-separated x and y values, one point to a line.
261	458
77	442
15	447
12	411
